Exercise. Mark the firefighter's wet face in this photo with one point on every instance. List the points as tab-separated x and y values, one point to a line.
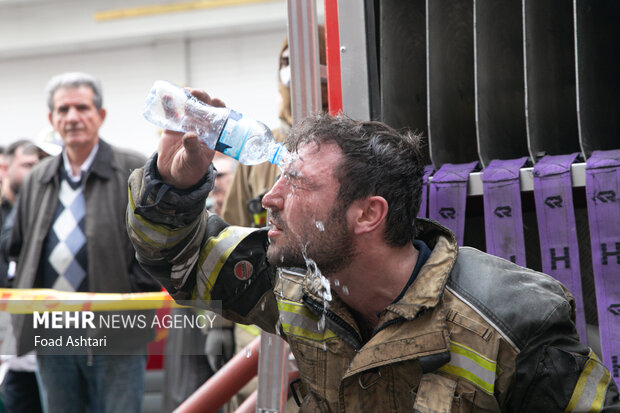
306	216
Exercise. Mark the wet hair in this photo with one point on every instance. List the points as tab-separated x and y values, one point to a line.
378	160
74	80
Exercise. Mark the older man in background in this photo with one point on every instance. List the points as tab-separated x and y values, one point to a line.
69	235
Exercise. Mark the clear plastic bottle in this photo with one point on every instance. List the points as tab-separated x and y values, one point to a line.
230	132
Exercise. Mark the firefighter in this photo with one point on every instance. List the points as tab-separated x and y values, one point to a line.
404	319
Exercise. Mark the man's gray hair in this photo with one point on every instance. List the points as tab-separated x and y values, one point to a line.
74	80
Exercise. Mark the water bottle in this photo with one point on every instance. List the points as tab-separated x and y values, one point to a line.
230	132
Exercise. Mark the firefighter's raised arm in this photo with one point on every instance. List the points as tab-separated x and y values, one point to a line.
183	159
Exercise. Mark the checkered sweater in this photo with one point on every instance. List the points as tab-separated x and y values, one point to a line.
65	260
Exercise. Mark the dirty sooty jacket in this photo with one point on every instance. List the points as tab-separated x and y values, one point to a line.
473	333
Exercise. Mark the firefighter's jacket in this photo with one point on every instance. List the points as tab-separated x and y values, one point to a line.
473	333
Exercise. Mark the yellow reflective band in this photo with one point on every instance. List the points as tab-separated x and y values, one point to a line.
461	372
299	321
294	307
214	255
471	366
158	236
601	389
473	355
581	384
252	329
211	276
306	334
591	387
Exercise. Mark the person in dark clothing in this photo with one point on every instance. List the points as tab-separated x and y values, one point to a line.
19	389
20	156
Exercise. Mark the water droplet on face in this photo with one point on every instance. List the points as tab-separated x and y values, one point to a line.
320	226
345	290
287	161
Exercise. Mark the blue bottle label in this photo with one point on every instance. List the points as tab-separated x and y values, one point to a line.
234	134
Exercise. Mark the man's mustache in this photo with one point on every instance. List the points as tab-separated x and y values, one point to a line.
74	128
276	220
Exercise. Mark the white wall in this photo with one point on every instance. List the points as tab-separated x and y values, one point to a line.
232	52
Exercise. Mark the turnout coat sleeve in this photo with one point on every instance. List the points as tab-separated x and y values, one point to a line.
196	255
557	371
542	366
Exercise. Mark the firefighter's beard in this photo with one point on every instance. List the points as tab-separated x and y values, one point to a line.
328	243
